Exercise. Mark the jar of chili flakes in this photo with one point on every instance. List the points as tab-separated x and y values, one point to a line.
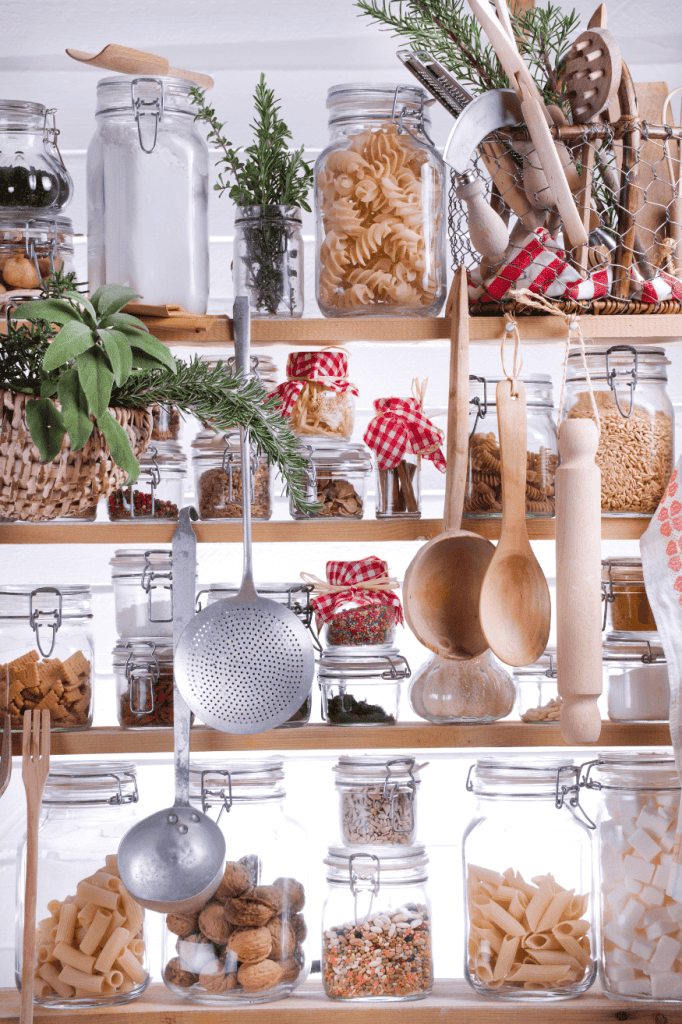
357	605
317	396
143	673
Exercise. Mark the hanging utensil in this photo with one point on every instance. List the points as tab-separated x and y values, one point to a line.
245	664
136	62
673	150
6	742
436	80
35	768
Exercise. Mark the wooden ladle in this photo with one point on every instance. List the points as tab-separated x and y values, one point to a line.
443	581
515	606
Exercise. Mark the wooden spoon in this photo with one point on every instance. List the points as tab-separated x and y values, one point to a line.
443	581
515	606
35	769
136	62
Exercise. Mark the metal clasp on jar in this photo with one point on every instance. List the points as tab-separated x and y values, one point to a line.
55	617
146	108
402	764
310	474
611	375
229	459
397	670
142	676
481	413
421	126
147	583
216	794
562	791
356	878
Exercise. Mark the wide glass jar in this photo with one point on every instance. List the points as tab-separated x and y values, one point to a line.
537	693
267	264
483	496
143	676
640	920
336	478
47	651
445	691
90	932
33	246
217	462
527	856
361	687
626	605
166	423
147	191
248	944
32	172
635	678
635	452
376	923
159	489
143	592
377	799
380	189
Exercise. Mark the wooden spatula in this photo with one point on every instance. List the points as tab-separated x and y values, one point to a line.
126	61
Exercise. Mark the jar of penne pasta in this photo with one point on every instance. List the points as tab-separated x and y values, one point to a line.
380	189
528	881
90	932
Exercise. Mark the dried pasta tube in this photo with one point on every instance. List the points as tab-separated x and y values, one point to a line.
89	983
95	933
50	975
67	923
113	948
74	958
131	967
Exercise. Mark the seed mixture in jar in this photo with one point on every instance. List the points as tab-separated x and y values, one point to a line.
370	624
214	494
369	816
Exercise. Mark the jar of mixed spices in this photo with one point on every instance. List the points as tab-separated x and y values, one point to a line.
159	489
626	605
360	686
357	605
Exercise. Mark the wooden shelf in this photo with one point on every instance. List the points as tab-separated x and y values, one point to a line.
451	1002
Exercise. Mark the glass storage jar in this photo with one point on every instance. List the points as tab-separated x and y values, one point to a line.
380	189
360	687
537	693
635	452
635	678
398	489
47	647
527	857
317	396
336	478
446	691
377	799
217	462
249	943
143	675
376	923
640	920
262	366
86	810
166	423
147	192
483	495
32	172
159	489
143	592
268	260
626	606
33	246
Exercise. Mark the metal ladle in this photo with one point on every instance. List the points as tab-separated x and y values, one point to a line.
173	860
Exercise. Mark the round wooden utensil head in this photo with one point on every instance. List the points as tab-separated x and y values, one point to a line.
592	76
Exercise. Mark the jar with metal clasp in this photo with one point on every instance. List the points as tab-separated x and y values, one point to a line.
143	675
377	799
537	693
34	246
635	678
360	686
626	605
32	172
143	592
159	489
335	478
217	462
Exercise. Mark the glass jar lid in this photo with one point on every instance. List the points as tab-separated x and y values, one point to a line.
525	776
344	457
637	770
227	782
86	783
620	571
35	225
632	646
164	455
369	769
546	665
623	364
350	101
134	564
381	865
116	94
30	601
482	390
360	663
21	115
209	445
139	649
262	366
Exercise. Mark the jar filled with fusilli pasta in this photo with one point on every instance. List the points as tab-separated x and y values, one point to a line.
380	189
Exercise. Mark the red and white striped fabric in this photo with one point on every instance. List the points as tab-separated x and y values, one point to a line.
330	369
348	575
664	286
399	427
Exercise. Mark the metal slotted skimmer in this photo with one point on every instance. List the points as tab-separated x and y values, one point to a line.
245	664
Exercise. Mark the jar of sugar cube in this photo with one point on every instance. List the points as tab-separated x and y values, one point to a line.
640	888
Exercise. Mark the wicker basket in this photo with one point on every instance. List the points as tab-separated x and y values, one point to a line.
33	491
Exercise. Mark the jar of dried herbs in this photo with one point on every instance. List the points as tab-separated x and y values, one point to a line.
336	478
317	396
217	463
361	685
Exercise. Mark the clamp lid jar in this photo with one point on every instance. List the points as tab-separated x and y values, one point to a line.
32	172
360	687
336	478
33	247
626	605
143	592
158	490
635	678
537	694
377	799
217	461
143	674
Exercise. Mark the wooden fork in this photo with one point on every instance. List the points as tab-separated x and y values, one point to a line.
35	767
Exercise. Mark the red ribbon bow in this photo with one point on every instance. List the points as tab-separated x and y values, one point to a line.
401	427
347	579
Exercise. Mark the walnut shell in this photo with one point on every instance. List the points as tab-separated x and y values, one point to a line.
250	945
252	865
45	265
293	894
182	924
300	927
194	953
246	912
213	923
270	895
290	968
236	881
175	975
283	938
255	977
19	272
214	979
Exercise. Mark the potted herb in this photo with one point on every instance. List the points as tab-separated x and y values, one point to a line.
270	189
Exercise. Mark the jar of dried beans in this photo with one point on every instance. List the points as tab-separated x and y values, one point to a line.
158	491
361	687
537	694
380	189
143	675
626	606
635	678
527	858
336	478
377	799
217	461
483	496
357	605
318	397
635	452
376	922
143	592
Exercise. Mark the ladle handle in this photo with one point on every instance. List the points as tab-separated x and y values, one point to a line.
513	426
184	586
241	317
458	404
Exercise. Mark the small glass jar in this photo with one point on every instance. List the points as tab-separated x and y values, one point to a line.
143	592
86	810
33	247
32	172
376	922
47	647
380	189
248	944
445	691
640	920
262	366
377	799
336	478
626	605
537	693
360	687
268	260
635	452
143	675
159	489
217	462
635	678
527	860
399	489
483	496
317	396
166	423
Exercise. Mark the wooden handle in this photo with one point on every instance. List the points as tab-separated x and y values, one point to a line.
578	571
513	426
487	230
127	61
458	404
28	951
534	177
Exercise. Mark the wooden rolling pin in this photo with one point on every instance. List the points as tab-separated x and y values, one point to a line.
578	575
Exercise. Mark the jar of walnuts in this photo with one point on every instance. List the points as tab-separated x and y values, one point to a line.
33	247
248	944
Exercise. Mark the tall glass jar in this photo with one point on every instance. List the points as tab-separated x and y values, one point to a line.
377	799
626	605
248	944
483	496
143	675
217	463
47	650
33	246
268	260
398	489
86	810
376	924
147	191
528	881
640	919
380	189
143	592
635	452
32	173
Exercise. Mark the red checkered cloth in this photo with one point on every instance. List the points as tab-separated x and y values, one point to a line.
400	426
330	369
349	576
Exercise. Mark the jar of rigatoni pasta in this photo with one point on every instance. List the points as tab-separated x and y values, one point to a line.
528	881
90	932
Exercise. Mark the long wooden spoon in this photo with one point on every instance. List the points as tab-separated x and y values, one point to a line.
136	62
515	606
35	768
443	581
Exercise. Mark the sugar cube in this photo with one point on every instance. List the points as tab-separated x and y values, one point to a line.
652	897
622	957
616	974
655	914
632	886
643	949
618	897
658	928
630	915
638	987
660	879
668	841
653	823
613	933
675	912
635	867
666	953
665	986
642	843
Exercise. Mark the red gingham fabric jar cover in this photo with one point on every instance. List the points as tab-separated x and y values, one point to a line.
348	575
400	426
330	369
